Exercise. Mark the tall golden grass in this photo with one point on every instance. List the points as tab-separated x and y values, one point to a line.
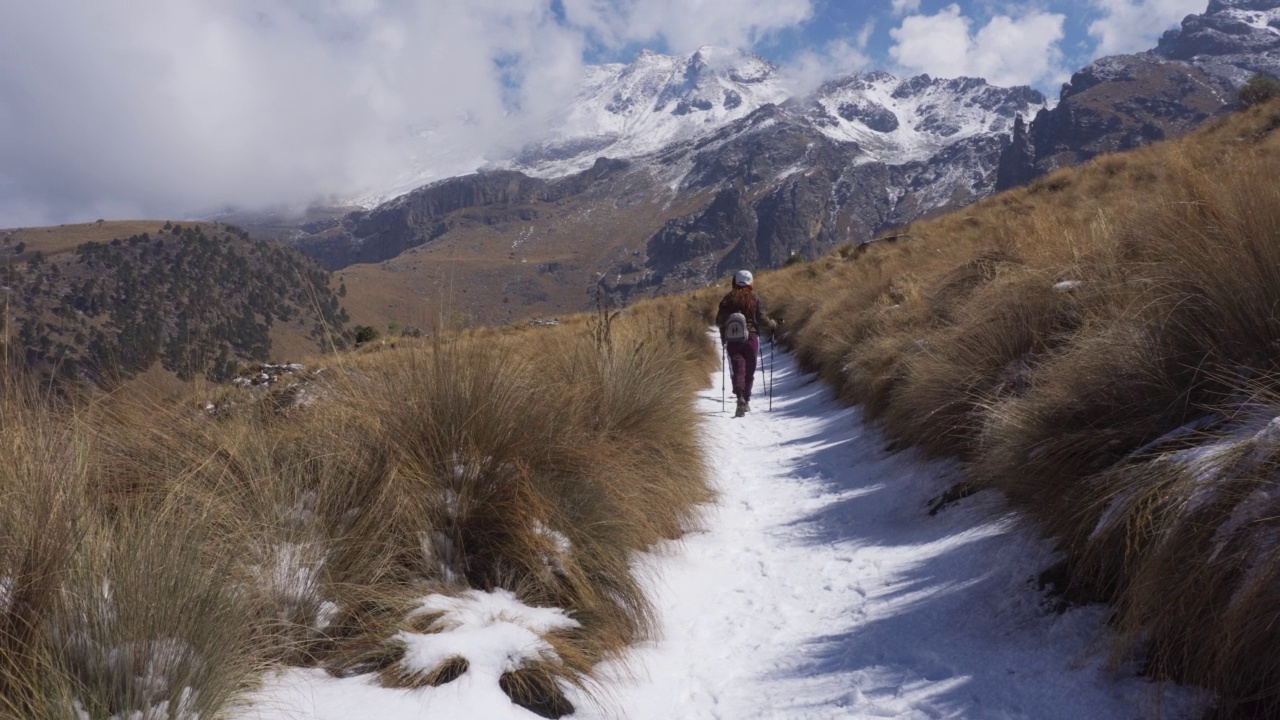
158	557
1103	347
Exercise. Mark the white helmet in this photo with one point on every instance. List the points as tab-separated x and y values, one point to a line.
742	278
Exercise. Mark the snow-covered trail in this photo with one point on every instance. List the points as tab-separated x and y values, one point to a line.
822	588
819	587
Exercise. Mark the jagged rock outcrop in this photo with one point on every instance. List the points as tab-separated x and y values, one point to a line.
1017	160
1231	40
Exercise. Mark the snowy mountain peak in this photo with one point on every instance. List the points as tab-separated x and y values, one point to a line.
1218	6
633	110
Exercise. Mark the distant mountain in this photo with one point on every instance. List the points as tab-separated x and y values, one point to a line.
694	165
626	111
1121	102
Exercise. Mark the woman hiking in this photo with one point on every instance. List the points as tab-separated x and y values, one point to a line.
740	317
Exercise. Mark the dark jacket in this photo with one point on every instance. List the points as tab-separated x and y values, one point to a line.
737	301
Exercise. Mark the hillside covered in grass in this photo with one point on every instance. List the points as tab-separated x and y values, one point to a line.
197	300
156	559
1103	346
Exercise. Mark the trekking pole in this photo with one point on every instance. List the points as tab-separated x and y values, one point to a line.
722	355
764	377
772	344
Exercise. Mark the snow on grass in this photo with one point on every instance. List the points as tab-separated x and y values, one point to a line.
146	670
289	574
494	632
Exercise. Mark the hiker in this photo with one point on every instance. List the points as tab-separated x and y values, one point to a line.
740	318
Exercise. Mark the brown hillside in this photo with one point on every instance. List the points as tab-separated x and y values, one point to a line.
493	273
57	239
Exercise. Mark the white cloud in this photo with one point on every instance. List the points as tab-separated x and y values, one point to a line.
1134	25
1023	50
686	25
116	108
808	70
902	7
864	35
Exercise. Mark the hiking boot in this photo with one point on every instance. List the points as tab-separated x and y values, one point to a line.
742	409
746	406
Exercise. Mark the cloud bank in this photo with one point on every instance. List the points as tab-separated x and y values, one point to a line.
119	108
686	25
154	108
1128	26
1007	50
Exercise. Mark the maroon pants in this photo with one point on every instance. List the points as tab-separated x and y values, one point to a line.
742	364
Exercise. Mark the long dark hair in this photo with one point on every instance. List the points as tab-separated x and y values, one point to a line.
743	299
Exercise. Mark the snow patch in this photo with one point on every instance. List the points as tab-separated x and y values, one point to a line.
494	631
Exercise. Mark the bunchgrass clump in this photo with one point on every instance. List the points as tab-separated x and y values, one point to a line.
157	556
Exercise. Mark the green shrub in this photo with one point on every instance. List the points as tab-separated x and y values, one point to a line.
1259	89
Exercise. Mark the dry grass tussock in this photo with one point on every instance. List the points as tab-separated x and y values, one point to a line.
156	557
1103	347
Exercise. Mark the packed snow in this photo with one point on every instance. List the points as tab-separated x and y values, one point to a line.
820	586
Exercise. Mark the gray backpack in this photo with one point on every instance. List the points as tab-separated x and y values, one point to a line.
735	328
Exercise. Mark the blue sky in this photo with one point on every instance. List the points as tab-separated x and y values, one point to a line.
170	108
1037	43
834	21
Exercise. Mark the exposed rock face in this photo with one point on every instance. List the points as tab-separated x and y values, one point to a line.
1121	102
429	212
1017	161
718	226
1232	40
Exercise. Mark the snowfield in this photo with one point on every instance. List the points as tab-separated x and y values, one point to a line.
820	587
